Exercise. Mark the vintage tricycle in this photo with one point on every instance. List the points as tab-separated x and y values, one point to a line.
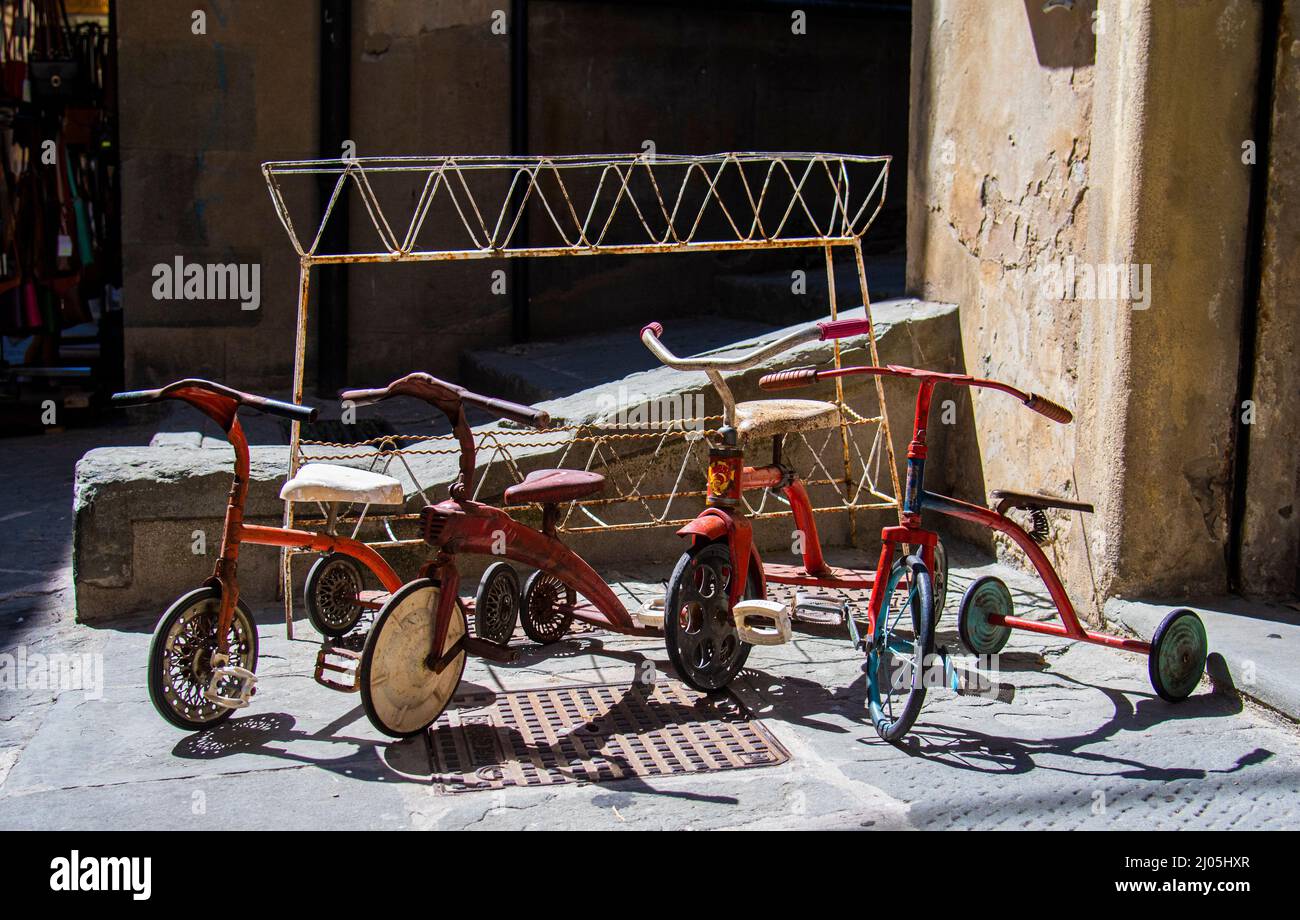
709	629
203	658
1176	653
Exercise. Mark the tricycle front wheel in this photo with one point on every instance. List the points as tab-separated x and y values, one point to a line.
180	658
403	689
898	658
699	629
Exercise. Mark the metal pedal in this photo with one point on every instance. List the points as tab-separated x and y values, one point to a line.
651	613
819	609
247	682
337	660
762	622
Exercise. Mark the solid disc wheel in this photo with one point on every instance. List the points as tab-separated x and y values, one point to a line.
985	596
180	658
545	608
940	578
333	586
699	630
938	575
401	691
1178	652
496	606
899	655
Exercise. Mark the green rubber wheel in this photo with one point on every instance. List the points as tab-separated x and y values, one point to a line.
1177	659
985	596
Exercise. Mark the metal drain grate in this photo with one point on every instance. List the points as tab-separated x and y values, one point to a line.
593	734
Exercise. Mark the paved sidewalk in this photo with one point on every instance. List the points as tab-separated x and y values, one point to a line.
1083	743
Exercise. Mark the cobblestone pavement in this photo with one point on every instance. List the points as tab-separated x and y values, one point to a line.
1081	743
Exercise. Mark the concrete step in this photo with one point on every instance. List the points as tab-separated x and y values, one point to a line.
537	371
137	508
782	298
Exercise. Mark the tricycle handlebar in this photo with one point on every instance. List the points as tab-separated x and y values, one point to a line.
185	389
449	398
814	332
802	376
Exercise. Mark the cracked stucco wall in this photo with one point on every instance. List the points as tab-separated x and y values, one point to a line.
1109	135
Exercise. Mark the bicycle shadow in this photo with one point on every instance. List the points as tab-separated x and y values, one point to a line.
801	702
960	747
270	734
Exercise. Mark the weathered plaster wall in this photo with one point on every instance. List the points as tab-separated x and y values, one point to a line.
1036	140
426	78
200	113
1001	145
1272	524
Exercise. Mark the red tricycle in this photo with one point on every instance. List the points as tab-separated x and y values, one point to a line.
203	658
1176	653
716	607
416	650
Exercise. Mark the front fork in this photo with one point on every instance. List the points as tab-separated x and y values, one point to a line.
443	571
224	573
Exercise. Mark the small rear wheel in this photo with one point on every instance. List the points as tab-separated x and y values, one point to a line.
898	658
333	588
1177	658
180	658
699	629
985	596
545	611
402	689
496	606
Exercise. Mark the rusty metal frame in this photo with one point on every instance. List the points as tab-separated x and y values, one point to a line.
763	200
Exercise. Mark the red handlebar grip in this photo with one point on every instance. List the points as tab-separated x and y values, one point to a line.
788	380
657	329
844	328
524	415
1044	406
362	397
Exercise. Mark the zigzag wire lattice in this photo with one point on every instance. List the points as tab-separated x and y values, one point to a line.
596	448
490	206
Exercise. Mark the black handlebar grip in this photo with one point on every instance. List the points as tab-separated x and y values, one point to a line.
788	380
1044	406
133	398
291	411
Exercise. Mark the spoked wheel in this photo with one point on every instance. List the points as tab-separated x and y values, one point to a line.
985	596
699	630
541	612
496	606
900	649
402	689
1178	652
180	659
333	586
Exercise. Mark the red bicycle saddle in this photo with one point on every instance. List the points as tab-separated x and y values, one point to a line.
547	487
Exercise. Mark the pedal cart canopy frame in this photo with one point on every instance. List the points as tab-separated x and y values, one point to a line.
485	207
